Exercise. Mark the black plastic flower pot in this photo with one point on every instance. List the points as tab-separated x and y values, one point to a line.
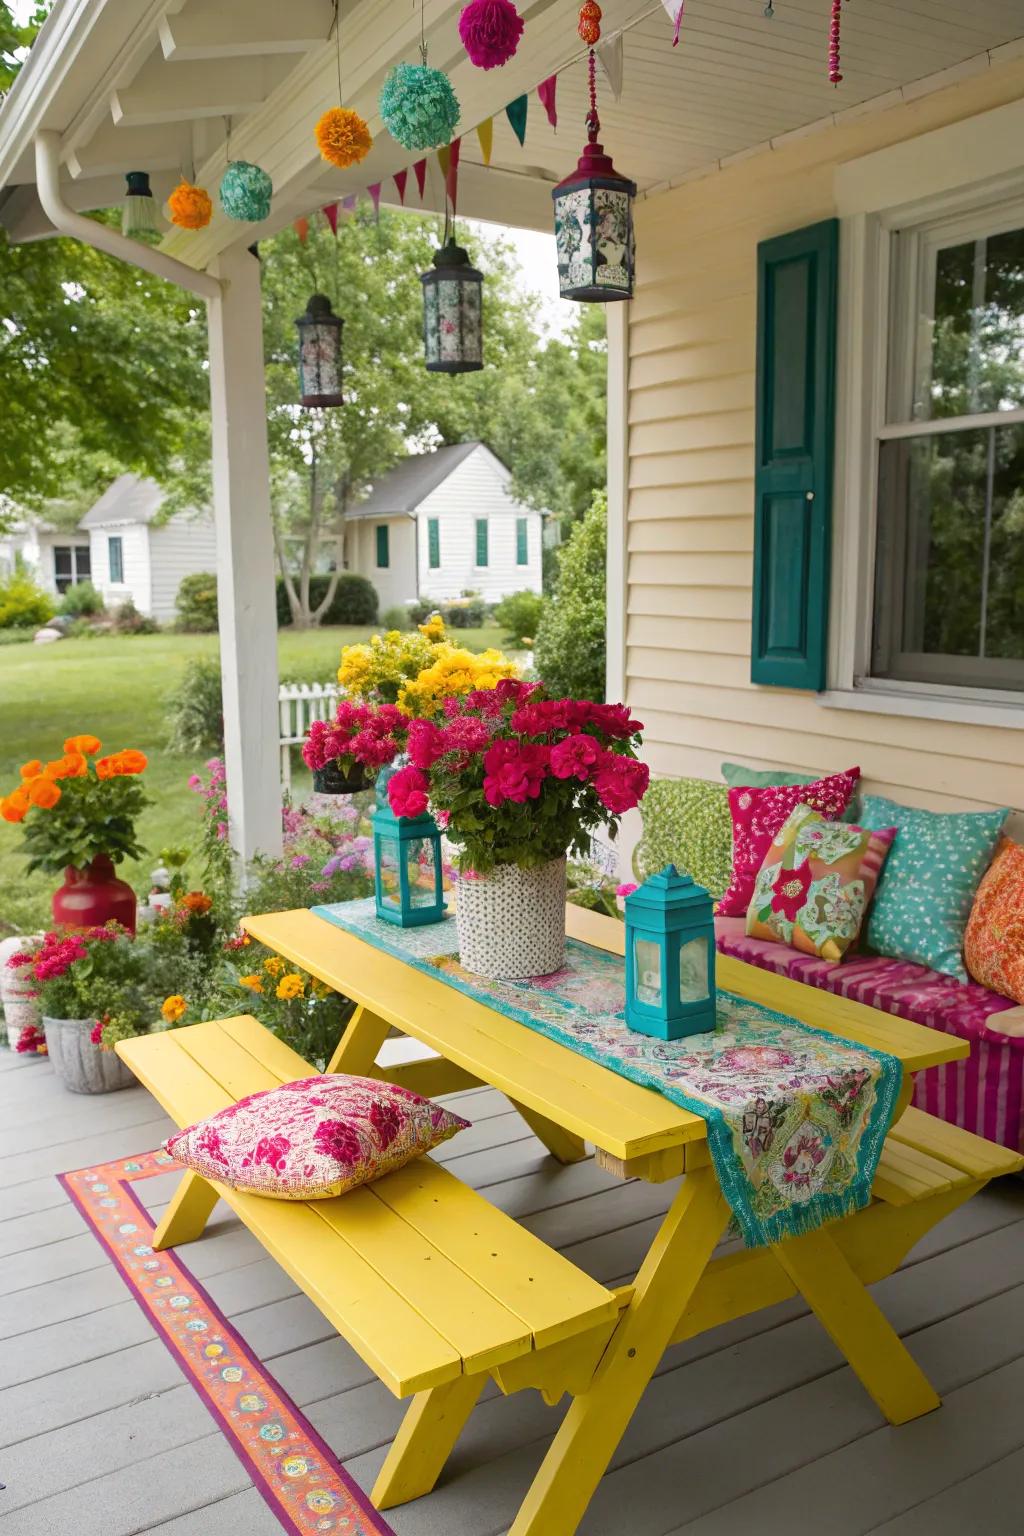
331	780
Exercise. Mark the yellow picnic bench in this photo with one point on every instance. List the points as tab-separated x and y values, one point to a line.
438	1291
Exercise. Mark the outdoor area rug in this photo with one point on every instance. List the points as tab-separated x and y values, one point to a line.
299	1477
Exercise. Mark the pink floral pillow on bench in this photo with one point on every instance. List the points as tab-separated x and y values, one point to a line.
315	1138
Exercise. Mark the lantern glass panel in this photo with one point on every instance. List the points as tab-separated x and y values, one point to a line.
389	864
647	971
321	349
453	326
693	971
422	868
612	236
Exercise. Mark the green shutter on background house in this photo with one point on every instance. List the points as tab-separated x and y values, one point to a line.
383	547
522	542
796	355
433	543
481	541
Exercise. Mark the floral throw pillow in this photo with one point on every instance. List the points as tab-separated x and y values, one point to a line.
314	1138
758	814
994	941
926	890
814	886
686	823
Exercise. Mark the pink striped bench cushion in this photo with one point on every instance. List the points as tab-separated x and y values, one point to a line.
985	1093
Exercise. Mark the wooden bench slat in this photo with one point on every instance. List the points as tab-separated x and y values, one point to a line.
287	1065
973	1155
901	1180
228	1063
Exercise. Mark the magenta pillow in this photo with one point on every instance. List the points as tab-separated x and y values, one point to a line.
758	814
315	1138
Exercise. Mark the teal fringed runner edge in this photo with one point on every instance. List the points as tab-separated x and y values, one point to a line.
796	1117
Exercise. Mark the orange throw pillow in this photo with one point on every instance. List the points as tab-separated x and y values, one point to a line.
994	941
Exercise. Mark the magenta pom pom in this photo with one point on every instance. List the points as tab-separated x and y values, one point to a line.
490	31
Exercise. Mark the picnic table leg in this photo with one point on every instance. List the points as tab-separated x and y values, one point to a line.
187	1215
856	1324
357	1049
432	1424
562	1144
597	1419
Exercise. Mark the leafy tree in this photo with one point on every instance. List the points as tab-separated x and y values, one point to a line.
16	38
570	649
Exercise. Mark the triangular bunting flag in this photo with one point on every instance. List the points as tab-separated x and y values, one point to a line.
349	203
444	159
374	191
516	113
400	178
546	92
609	56
330	213
485	133
675	9
301	227
419	170
452	178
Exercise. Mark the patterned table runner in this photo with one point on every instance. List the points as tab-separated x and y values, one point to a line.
796	1117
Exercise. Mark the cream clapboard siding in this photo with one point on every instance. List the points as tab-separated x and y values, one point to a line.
396	585
177	548
689	501
478	487
134	563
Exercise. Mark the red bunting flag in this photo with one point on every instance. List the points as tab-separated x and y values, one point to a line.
374	191
546	92
452	178
400	178
301	228
330	213
419	170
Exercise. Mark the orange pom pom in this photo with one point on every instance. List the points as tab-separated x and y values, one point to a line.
44	793
189	206
343	137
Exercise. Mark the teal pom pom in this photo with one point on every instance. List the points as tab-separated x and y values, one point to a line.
245	192
418	106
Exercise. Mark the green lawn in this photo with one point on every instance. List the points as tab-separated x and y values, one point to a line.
116	687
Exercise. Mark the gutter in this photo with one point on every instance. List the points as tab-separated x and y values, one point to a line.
100	236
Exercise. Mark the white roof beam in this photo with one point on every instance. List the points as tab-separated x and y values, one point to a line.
229	28
161	93
161	147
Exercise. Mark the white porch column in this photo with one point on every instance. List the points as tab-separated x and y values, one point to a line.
245	556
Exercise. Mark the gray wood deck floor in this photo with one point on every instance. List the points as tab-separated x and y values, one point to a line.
756	1427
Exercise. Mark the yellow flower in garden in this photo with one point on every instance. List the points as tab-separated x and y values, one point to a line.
433	628
254	983
174	1007
290	986
275	966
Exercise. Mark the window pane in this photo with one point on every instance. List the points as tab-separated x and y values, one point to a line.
949	588
647	965
62	566
114	547
971	346
83	562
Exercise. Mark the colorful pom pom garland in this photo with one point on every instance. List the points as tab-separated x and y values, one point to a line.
245	192
418	106
343	137
490	32
189	206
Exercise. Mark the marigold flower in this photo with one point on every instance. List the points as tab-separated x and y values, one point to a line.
44	793
56	769
174	1007
12	809
290	986
132	761
275	966
76	766
31	770
90	745
106	767
253	983
196	902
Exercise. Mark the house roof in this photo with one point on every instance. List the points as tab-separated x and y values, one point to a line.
130	499
408	485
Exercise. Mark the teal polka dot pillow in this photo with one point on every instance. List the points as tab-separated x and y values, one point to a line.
687	823
924	897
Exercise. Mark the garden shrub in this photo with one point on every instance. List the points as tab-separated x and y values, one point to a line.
195	716
15	637
196	603
355	600
519	616
82	601
466	612
396	618
129	621
23	605
570	648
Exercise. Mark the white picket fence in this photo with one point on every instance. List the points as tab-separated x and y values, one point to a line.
298	705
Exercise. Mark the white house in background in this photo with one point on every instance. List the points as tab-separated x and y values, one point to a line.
134	556
443	523
55	558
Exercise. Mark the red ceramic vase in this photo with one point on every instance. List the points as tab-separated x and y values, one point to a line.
93	896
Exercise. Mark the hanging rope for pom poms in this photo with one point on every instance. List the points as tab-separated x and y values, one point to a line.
834	72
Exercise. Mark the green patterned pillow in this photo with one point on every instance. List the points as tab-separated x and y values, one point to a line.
739	777
924	896
687	823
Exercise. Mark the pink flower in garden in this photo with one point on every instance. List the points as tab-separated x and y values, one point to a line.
626	889
96	1033
574	757
426	743
519	777
195	783
621	783
407	792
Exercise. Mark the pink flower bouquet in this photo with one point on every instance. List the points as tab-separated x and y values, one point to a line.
360	735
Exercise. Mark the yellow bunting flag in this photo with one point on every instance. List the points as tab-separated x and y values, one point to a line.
444	159
485	133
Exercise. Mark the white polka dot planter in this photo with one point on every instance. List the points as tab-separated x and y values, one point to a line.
81	1066
512	921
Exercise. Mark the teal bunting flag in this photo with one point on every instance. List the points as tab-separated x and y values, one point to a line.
516	114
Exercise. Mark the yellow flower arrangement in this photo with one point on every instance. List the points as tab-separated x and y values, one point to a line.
174	1007
418	671
290	986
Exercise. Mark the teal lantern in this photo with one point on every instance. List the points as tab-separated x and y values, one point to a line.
407	868
670	957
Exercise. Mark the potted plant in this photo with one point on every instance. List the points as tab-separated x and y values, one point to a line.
346	752
519	781
88	982
418	671
78	816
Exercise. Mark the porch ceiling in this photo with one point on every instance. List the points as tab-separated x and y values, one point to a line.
150	84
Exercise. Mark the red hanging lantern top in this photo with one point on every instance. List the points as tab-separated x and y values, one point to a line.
594	161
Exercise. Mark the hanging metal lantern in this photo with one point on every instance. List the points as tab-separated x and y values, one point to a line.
594	219
453	336
138	212
319	354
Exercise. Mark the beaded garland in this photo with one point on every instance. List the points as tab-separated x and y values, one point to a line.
418	106
490	32
834	72
245	192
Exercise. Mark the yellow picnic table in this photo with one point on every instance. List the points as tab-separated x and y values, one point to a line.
927	1169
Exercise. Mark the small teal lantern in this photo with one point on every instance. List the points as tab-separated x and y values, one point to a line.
407	868
670	957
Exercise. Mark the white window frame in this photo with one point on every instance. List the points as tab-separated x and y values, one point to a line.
863	377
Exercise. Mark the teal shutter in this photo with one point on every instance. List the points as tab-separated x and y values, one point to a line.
481	541
522	542
433	543
796	350
383	547
115	549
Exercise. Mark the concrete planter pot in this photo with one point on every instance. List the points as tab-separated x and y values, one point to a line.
81	1066
17	994
512	921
